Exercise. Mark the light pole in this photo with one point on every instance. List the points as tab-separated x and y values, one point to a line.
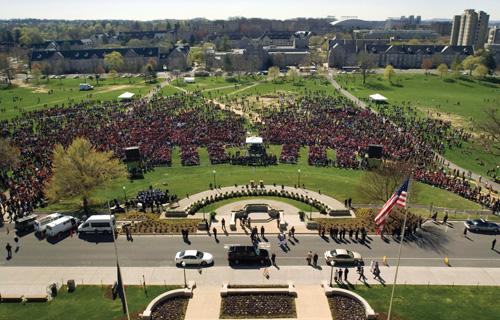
311	209
125	197
298	177
215	185
203	208
183	263
331	273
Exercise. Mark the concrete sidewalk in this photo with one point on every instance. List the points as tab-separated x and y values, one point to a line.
22	280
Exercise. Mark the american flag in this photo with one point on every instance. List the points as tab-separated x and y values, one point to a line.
398	198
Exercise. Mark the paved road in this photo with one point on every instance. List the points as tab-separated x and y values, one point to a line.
436	242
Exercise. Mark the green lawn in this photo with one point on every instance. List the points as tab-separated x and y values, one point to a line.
463	98
299	205
29	97
338	183
303	86
434	302
86	303
462	101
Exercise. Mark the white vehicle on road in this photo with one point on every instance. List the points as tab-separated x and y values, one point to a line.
99	223
60	225
194	257
41	224
342	256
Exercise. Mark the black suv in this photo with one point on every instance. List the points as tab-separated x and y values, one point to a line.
247	254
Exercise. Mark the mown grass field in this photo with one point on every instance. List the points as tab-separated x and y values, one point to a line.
434	302
34	96
86	303
462	101
338	183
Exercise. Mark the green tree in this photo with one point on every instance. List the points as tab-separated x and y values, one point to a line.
456	66
273	73
470	63
389	72
36	73
79	169
442	69
480	71
228	64
366	62
224	44
114	61
292	74
5	67
113	75
9	157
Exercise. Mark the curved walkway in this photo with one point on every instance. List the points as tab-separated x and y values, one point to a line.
484	181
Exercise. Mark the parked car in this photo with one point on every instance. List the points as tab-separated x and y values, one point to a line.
100	223
343	256
41	224
482	225
247	254
61	225
194	257
25	224
86	87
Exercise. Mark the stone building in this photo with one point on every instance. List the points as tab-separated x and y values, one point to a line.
470	29
345	54
87	60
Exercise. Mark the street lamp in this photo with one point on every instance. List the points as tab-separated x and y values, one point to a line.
310	209
203	208
215	185
183	263
298	177
331	273
125	197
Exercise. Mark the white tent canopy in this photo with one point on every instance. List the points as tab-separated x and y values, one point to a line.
126	96
189	80
254	140
378	97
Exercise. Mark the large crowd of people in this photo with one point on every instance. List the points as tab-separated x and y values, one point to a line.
190	122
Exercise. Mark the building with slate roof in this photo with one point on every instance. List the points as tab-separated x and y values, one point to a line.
345	54
87	60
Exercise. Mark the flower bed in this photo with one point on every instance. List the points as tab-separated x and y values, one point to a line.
258	305
345	308
148	223
365	218
171	309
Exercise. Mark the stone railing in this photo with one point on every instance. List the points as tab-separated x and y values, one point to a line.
329	291
186	292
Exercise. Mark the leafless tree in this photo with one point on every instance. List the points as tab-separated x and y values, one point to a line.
491	126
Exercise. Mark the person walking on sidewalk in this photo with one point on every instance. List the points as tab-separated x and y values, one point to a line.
346	272
214	231
493	243
445	218
262	232
361	272
315	259
309	257
8	247
465	232
273	259
223	224
293	231
340	275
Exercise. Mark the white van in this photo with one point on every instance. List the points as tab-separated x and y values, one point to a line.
42	223
100	223
60	225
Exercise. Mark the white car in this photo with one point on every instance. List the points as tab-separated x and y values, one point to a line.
342	256
194	257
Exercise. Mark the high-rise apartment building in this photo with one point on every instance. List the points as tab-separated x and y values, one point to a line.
470	29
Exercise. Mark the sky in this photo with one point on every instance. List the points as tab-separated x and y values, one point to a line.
222	9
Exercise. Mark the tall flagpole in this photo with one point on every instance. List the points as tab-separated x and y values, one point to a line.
117	265
399	251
